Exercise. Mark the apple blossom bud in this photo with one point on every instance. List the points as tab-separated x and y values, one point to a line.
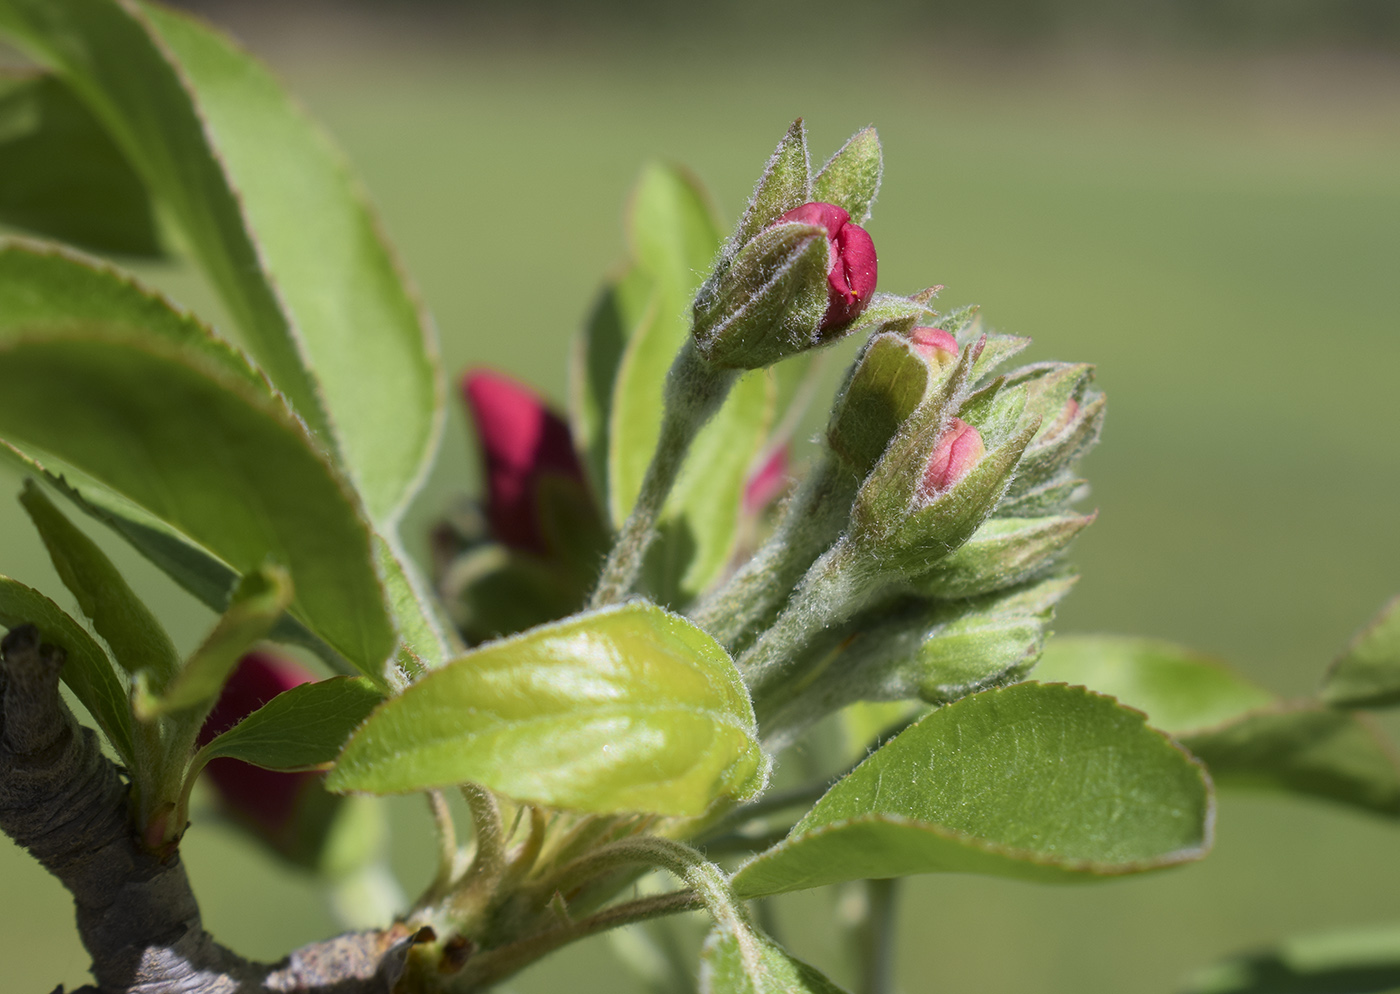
522	440
956	453
935	345
851	264
266	800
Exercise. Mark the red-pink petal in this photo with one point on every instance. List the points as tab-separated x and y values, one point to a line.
934	344
957	452
768	482
852	266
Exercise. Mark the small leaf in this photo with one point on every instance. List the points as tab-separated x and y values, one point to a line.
299	729
1349	961
851	177
239	477
755	964
62	176
625	709
1368	674
135	636
1034	781
88	672
1303	749
258	601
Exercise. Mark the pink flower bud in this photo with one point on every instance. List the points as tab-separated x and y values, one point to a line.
266	799
956	453
851	269
521	440
935	345
1066	418
767	482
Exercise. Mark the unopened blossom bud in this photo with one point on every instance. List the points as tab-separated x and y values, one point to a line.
265	800
935	345
957	452
851	264
522	440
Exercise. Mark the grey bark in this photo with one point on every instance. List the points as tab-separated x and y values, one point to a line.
65	802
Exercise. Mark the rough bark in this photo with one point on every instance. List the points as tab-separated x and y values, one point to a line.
66	803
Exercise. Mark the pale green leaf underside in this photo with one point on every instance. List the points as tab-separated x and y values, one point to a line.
1037	782
87	672
301	728
772	971
213	458
625	709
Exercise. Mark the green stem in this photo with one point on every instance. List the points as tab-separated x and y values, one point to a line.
694	392
472	896
447	844
874	937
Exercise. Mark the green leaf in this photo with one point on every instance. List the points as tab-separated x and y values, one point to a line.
214	138
1368	673
422	637
1303	748
1350	961
1034	782
625	709
202	574
135	637
88	671
258	601
370	346
755	964
221	463
62	176
1180	690
851	177
299	729
1244	734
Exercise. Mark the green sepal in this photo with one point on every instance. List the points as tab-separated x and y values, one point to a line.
62	176
1367	674
995	351
1001	553
752	963
851	178
1055	497
785	184
769	302
136	637
1032	782
257	602
1050	388
626	709
887	383
89	673
1051	456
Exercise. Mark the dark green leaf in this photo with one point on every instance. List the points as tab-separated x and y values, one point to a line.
625	709
755	964
1353	961
135	637
1037	782
62	176
299	729
1368	673
87	671
218	461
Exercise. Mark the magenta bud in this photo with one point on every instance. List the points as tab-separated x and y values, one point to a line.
851	264
267	799
521	441
956	453
767	482
935	345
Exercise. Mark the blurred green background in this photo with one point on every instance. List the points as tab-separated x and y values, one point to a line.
1209	213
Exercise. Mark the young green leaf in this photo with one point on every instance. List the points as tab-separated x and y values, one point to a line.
61	175
1245	735
136	638
299	729
1034	781
1367	675
755	964
625	709
87	671
258	601
216	460
1350	961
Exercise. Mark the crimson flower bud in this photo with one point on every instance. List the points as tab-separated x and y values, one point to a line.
851	264
935	345
522	440
767	482
265	799
956	453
